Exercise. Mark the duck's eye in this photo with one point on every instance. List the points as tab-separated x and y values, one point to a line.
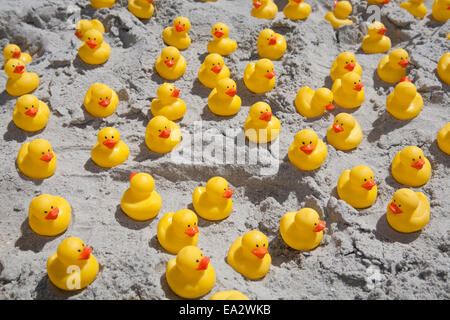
32	105
310	142
359	81
261	112
167	58
371	177
394	200
159	130
303	142
201	254
101	98
51	207
95	39
165	127
89	38
13	66
354	82
414	159
365	179
267	39
257	246
45	211
353	61
170	90
221	29
420	157
43	152
196	260
82	244
106	137
184	25
346	62
173	58
399	205
195	223
268	70
112	137
189	225
264	244
228	87
79	250
26	108
215	29
315	224
342	124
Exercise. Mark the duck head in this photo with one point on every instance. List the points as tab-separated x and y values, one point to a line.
413	157
28	105
217	188
307	220
362	176
11	51
398	59
346	62
101	95
267	37
260	112
142	183
343	123
264	69
306	140
168	92
226	88
108	138
260	3
182	25
44	208
342	9
255	244
405	91
14	68
170	56
185	223
41	150
159	127
213	63
404	201
93	39
351	82
73	251
376	30
191	261
220	31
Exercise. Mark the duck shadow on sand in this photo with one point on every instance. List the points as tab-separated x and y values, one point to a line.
46	290
384	124
127	222
146	154
385	233
30	241
19	135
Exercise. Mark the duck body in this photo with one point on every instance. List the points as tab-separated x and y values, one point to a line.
271	45
415	7
49	215
441	10
221	44
94	50
392	67
376	41
259	77
404	102
410	167
345	132
142	9
12	51
264	9
338	17
30	114
170	64
346	94
443	138
443	68
19	81
357	187
229	295
162	135
297	10
344	63
310	103
36	159
261	126
223	100
109	151
100	100
307	152
177	35
168	103
213	201
98	4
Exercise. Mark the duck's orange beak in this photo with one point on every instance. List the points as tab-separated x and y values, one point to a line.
307	149
330	106
176	93
403	63
219	33
191	231
19	69
105	103
227	194
16	54
165	134
320	226
273	41
150	1
369	185
405	79
109	143
350	66
78	34
47	157
169	63
386	2
382	31
92	44
298	1
132	175
393	207
266	116
85	254
203	265
418	164
358	87
260	252
231	92
270	75
52	215
179	28
257	4
337	128
32	112
216	69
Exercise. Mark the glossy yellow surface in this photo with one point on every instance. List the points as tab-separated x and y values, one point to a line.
213	202
443	138
49	215
392	67
259	77
376	41
357	187
440	11
12	51
348	92
307	152
261	126
229	295
141	8
271	45
168	103
410	167
223	100
415	7
264	9
344	63
100	100
109	151
404	102
220	43
19	81
345	132
162	135
339	16
212	70
36	159
98	4
94	50
85	25
177	35
296	10
30	114
170	64
311	103
443	68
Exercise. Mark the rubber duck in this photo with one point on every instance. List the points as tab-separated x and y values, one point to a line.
177	35
73	267
223	100
36	159
343	64
190	275
297	10
392	67
415	7
94	50
249	256
357	187
140	201
378	2
261	126
443	68
345	132
212	70
338	17
213	202
404	102
348	92
19	81
178	230
221	44
12	51
441	10
259	77
141	8
30	114
109	151
302	230
310	103
307	152
264	9
410	167
376	40
170	64
229	295
98	4
49	215
168	103
100	100
162	135
271	45
408	211
84	25
443	138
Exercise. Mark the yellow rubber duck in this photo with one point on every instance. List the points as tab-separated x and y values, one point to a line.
221	44
271	45
343	64
141	8
94	50
345	132
404	102
297	10
259	77
177	35
223	100
348	92
415	7
249	256
162	135
12	51
307	152
212	70
168	103
264	9
357	187
378	2
443	138
410	167
310	103
441	10
100	100
49	215
213	202
302	230
98	4
229	295
178	230
443	68
109	151
36	159
84	25
170	64
261	126
392	67
73	267
376	40
140	201
30	114
19	81
338	17
190	275
408	211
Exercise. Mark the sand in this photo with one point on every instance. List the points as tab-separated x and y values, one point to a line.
360	257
